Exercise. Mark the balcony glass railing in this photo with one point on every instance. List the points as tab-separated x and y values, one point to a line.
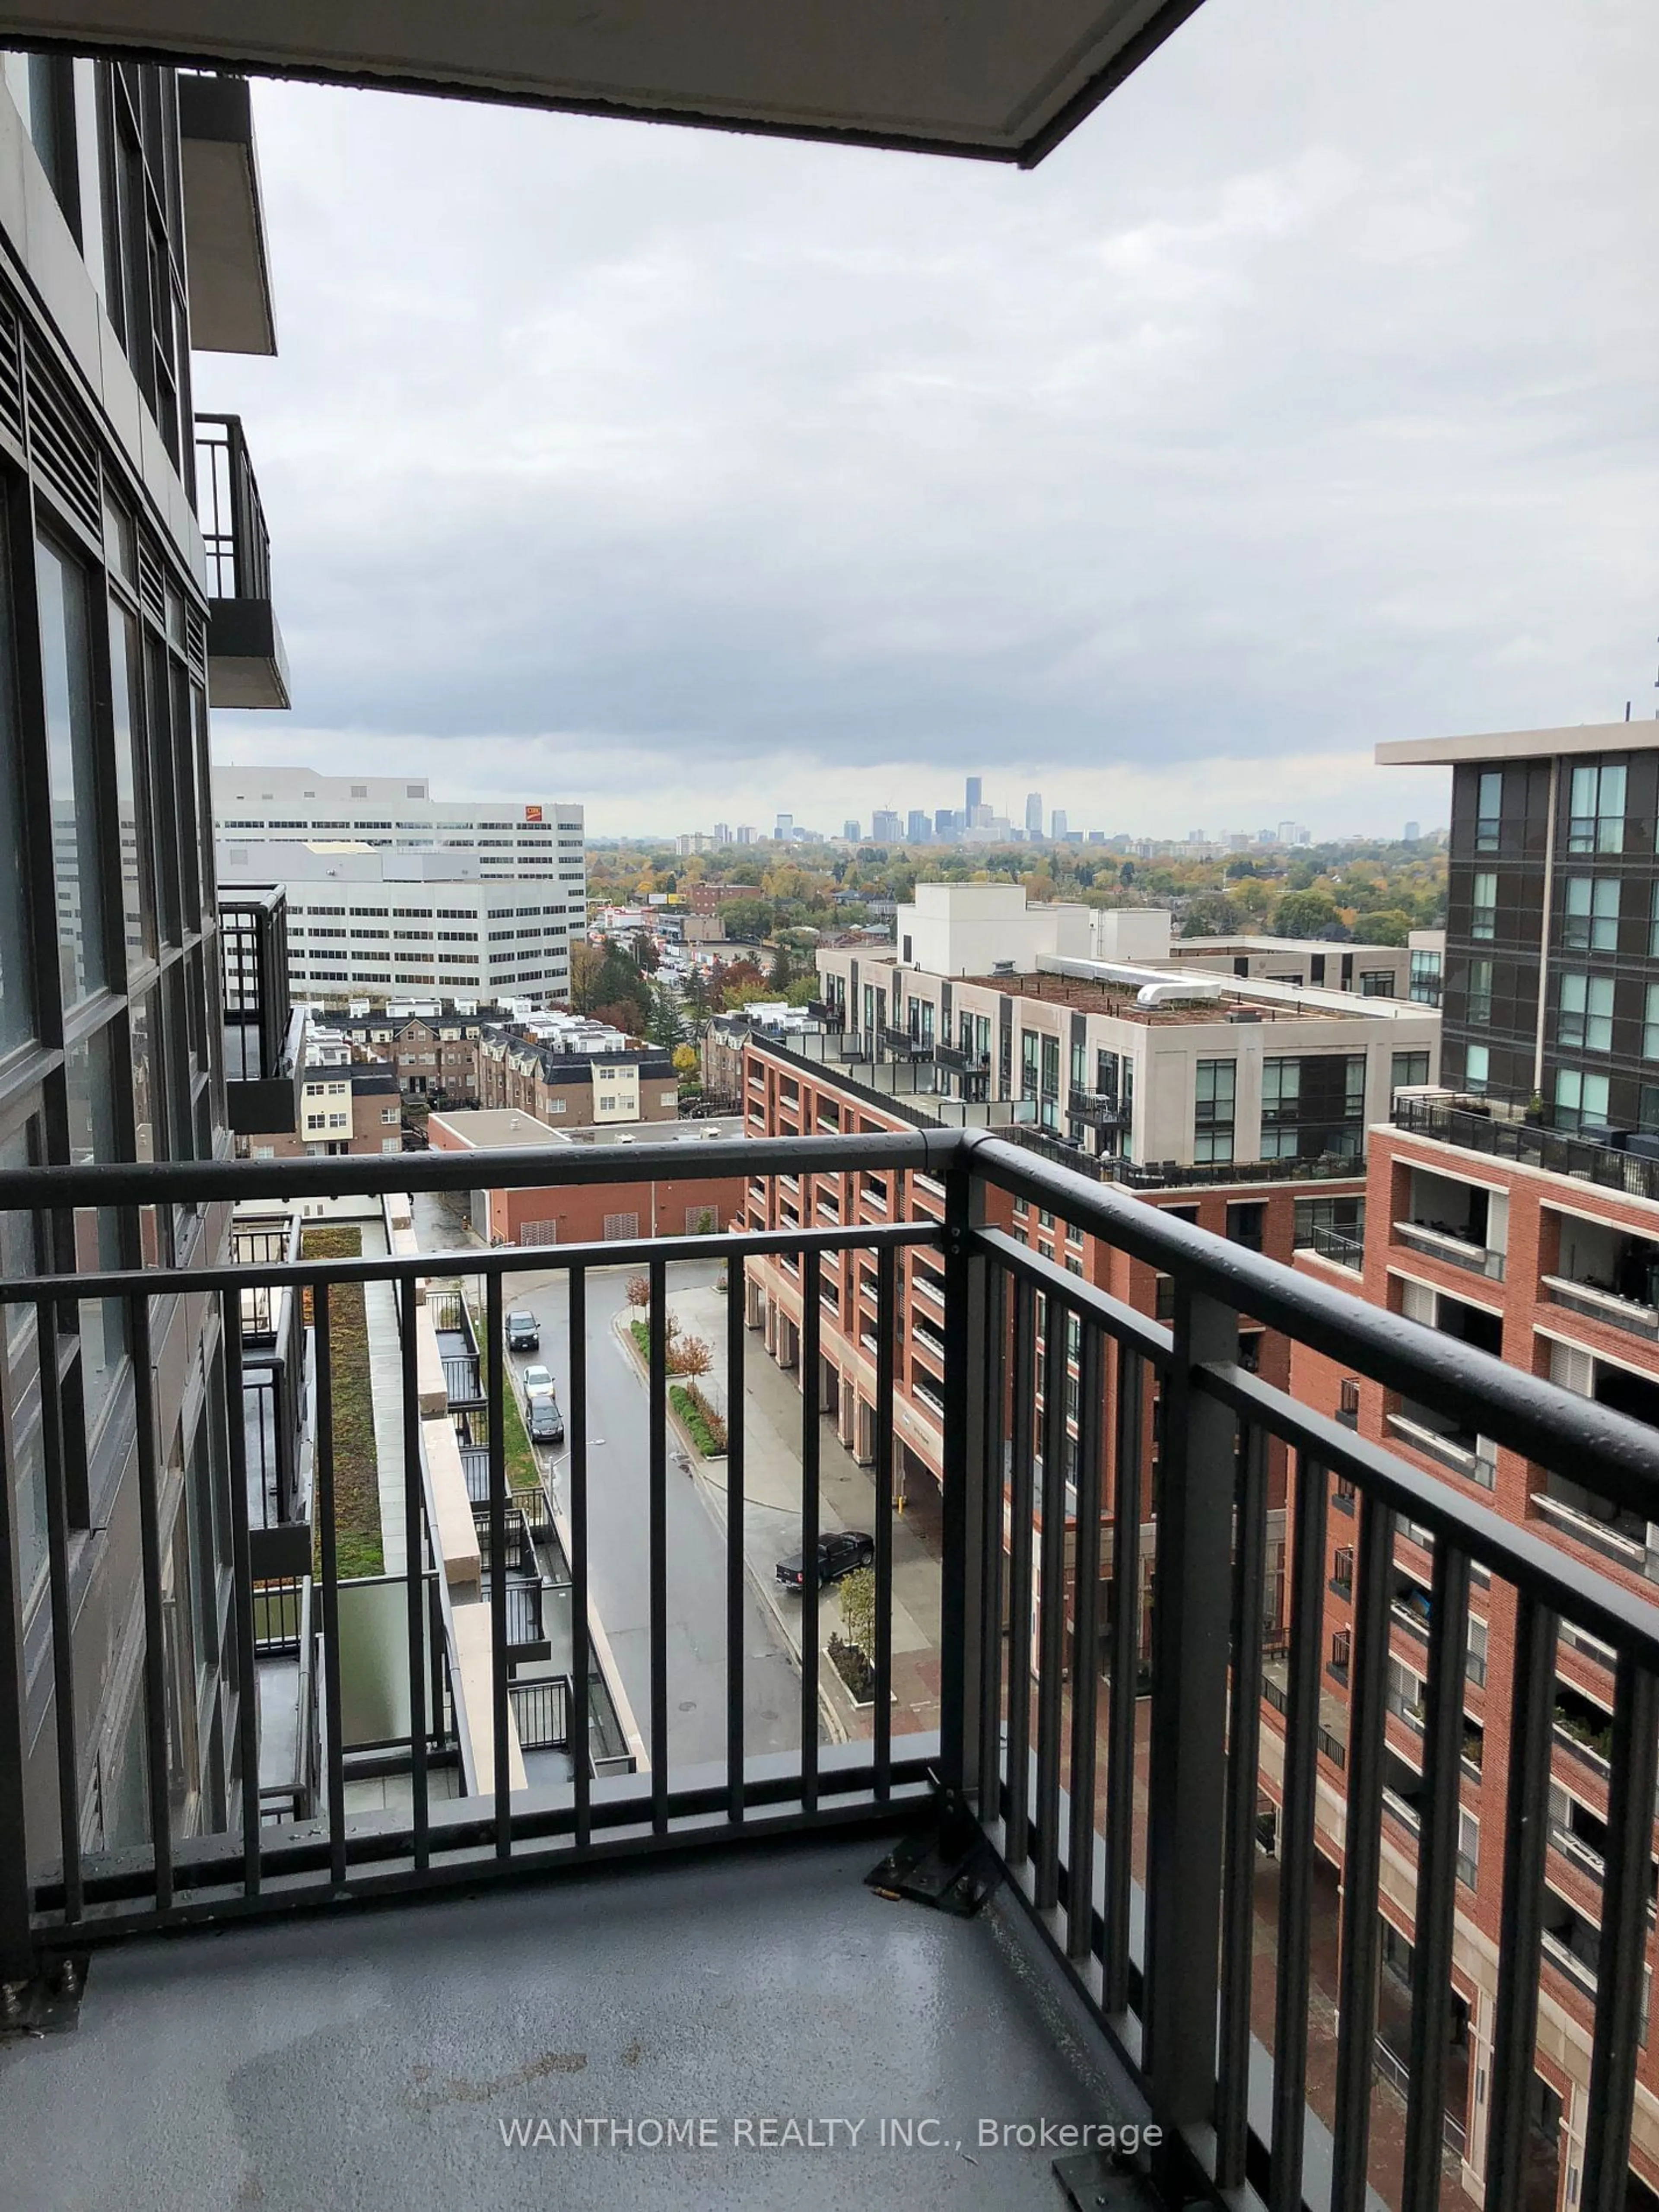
1118	1808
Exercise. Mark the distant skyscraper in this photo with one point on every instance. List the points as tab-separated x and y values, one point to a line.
976	795
786	828
722	833
1287	833
1413	831
918	830
1034	814
1057	824
946	821
850	831
885	826
746	833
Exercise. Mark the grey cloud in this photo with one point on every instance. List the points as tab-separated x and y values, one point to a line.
1304	399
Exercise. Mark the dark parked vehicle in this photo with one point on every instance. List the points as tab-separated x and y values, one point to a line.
524	1332
839	1553
546	1422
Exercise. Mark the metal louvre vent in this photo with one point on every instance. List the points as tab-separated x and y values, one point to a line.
196	640
61	453
151	588
11	377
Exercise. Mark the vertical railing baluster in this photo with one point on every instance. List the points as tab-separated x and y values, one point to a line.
1086	1647
1244	1786
1296	1848
886	1281
1051	1600
18	1958
1633	1761
494	1414
1368	1662
736	1747
1437	1880
994	1419
1186	1782
657	1541
323	1361
811	1505
414	1571
1526	1846
580	1664
1022	1510
62	1648
1119	1868
149	1567
241	1577
964	1466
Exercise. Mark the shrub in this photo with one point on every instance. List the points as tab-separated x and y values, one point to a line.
706	1427
689	1356
639	1290
854	1669
858	1609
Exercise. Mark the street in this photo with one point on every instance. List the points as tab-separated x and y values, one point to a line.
618	1475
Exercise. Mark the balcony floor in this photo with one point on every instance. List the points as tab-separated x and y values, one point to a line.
374	2059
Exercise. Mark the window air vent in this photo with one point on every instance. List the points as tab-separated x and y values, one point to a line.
11	378
61	453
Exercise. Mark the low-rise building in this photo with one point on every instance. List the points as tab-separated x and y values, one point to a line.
575	1087
588	1213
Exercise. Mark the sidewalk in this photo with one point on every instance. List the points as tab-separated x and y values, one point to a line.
772	1518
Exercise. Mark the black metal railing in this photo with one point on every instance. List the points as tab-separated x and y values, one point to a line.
1100	1109
541	1712
228	507
1072	1779
1609	1165
1338	1245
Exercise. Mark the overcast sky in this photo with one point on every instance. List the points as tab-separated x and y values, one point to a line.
1304	397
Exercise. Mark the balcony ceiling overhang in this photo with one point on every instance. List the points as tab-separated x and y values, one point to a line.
226	264
974	78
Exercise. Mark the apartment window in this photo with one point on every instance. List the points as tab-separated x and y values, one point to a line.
1212	1110
72	771
1407	1069
1650	1024
1425	977
1030	1044
90	1091
1595	810
1051	1082
1586	1012
1479	994
18	1019
1489	807
1477	1066
1581	1098
1342	1217
1246	1224
1591	923
1483	905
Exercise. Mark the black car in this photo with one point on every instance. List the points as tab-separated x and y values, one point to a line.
839	1553
524	1332
546	1422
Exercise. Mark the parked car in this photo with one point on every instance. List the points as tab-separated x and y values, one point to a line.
546	1422
537	1378
524	1332
839	1553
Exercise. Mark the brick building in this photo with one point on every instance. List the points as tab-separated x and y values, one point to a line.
1519	1213
576	1088
660	1205
351	1109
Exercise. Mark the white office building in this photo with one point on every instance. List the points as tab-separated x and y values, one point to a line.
367	922
283	805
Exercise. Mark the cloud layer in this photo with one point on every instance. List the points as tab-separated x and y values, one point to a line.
1304	398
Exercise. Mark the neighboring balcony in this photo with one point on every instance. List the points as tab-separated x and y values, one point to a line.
247	663
1096	1110
265	1037
1631	1167
1083	1796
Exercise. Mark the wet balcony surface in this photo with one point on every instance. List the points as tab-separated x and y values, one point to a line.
376	2059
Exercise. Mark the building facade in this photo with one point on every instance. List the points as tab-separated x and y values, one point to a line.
296	806
351	1109
576	1088
378	923
1539	1245
585	1213
116	628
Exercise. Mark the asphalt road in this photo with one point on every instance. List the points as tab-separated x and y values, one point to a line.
618	1481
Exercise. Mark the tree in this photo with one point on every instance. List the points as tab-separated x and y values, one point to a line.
646	958
1387	926
689	1355
781	971
639	1290
587	963
1213	915
685	1059
1304	914
803	991
622	1014
858	1609
665	1025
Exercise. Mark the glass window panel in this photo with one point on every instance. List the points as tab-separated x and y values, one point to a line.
1477	1060
17	1021
1650	1025
89	1086
72	764
138	898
